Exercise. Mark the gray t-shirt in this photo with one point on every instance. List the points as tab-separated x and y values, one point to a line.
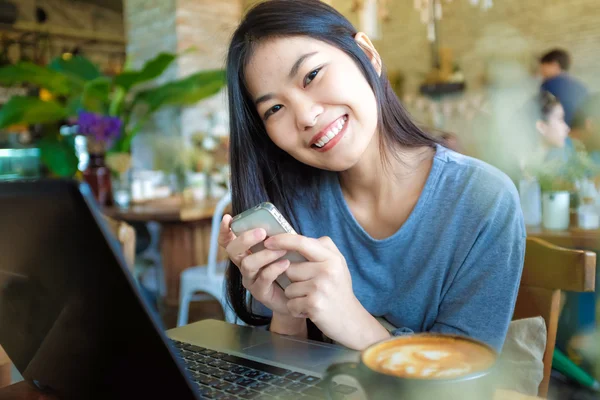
455	264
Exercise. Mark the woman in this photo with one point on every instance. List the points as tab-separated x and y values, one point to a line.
552	131
547	140
397	229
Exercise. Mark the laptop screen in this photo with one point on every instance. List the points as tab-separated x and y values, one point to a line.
71	318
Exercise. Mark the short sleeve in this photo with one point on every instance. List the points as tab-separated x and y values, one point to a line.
480	300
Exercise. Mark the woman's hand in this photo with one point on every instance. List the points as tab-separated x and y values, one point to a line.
259	270
322	287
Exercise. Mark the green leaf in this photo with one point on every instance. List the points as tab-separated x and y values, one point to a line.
123	144
58	154
26	72
152	69
183	92
116	104
30	110
74	105
77	66
96	93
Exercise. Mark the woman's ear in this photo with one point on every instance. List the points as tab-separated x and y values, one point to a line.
541	127
365	43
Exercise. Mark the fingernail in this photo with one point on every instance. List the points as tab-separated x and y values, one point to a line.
260	233
268	244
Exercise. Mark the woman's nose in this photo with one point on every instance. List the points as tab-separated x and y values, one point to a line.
308	115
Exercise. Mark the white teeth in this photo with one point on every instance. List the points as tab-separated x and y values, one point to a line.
332	132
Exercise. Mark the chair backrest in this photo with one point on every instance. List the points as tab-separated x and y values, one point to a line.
547	271
125	234
214	232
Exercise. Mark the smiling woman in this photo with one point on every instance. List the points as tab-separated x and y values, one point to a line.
317	130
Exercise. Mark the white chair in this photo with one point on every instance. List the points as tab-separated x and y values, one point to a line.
209	279
149	268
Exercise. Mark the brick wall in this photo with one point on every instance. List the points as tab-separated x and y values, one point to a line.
150	30
175	26
205	25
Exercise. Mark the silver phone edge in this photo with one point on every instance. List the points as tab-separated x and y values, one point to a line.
276	214
267	206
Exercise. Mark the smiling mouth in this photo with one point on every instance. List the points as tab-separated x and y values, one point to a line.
332	131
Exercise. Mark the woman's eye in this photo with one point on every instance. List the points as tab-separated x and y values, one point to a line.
312	75
272	110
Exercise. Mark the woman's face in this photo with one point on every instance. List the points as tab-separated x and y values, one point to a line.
314	101
554	129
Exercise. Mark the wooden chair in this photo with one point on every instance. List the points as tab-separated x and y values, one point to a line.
125	234
547	271
5	367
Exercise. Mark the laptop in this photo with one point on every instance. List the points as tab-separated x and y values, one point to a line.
74	323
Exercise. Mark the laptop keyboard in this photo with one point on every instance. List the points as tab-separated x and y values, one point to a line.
226	377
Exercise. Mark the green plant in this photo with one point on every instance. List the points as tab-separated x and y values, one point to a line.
70	85
560	175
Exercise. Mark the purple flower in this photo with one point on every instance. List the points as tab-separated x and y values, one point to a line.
102	128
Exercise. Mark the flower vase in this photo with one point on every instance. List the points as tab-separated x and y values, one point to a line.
121	188
97	175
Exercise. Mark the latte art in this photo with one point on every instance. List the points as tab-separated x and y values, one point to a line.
423	357
424	362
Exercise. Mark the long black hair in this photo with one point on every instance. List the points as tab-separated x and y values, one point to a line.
260	171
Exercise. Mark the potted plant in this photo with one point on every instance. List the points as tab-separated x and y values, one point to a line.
556	208
559	181
583	171
70	86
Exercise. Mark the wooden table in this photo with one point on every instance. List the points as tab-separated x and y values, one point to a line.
573	238
24	391
184	239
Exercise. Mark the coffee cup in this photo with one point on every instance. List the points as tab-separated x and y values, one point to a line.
421	366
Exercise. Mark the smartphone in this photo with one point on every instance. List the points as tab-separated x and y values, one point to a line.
266	216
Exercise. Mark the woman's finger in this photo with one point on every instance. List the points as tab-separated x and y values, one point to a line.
310	248
299	289
268	275
225	234
241	244
251	264
328	243
303	271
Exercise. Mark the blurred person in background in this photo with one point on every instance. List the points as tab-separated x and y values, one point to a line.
552	131
535	135
554	67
